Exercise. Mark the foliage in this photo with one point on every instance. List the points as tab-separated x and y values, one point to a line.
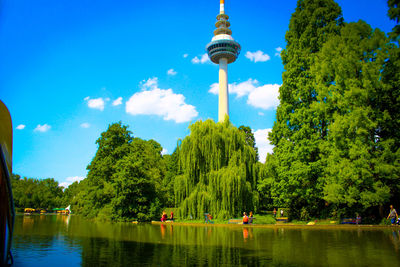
394	14
250	140
171	162
36	193
217	168
125	178
335	147
295	171
349	80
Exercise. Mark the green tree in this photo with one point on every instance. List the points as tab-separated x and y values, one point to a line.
138	182
36	193
217	168
300	129
171	162
251	141
113	145
394	14
388	104
125	178
71	192
349	84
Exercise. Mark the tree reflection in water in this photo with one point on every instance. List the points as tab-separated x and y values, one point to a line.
65	240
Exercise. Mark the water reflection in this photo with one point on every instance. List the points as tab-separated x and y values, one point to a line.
64	240
395	238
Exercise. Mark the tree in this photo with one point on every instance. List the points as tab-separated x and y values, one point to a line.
250	140
300	127
394	14
138	182
125	178
217	171
388	104
36	193
113	145
350	88
171	162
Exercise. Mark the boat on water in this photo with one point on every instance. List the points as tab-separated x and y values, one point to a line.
7	211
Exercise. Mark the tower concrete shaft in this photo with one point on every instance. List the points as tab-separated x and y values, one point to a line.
223	50
223	103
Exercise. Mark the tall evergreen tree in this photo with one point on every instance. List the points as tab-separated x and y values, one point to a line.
350	88
300	127
388	104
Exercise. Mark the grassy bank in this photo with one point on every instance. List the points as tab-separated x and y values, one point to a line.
258	219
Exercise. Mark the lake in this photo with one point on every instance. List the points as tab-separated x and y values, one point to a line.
60	240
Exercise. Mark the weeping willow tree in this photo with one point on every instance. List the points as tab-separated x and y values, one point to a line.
217	171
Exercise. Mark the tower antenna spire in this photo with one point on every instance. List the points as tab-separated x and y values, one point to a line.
223	50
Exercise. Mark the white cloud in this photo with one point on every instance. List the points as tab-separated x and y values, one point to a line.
117	101
162	102
151	83
203	59
70	180
107	99
278	51
257	56
240	89
20	127
265	96
96	103
85	125
261	113
185	55
171	72
164	151
214	89
42	128
244	88
263	144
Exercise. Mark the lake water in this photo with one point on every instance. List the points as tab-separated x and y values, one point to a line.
59	240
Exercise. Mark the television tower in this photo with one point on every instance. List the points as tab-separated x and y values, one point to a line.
222	50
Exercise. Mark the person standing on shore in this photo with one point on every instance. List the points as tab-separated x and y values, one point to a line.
274	213
393	215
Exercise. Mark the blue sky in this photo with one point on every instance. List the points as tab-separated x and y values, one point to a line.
69	68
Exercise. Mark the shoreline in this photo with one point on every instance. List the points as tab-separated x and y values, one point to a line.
254	225
284	225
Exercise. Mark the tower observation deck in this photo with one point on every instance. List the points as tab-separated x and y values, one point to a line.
223	50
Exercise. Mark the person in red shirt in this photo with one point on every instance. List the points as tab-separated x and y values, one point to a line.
164	217
245	218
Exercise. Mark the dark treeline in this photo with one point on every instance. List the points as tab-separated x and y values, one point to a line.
36	193
336	140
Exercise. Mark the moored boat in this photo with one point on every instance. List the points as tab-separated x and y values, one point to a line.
7	211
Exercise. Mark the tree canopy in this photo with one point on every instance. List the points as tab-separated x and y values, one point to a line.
36	193
335	148
217	171
125	178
